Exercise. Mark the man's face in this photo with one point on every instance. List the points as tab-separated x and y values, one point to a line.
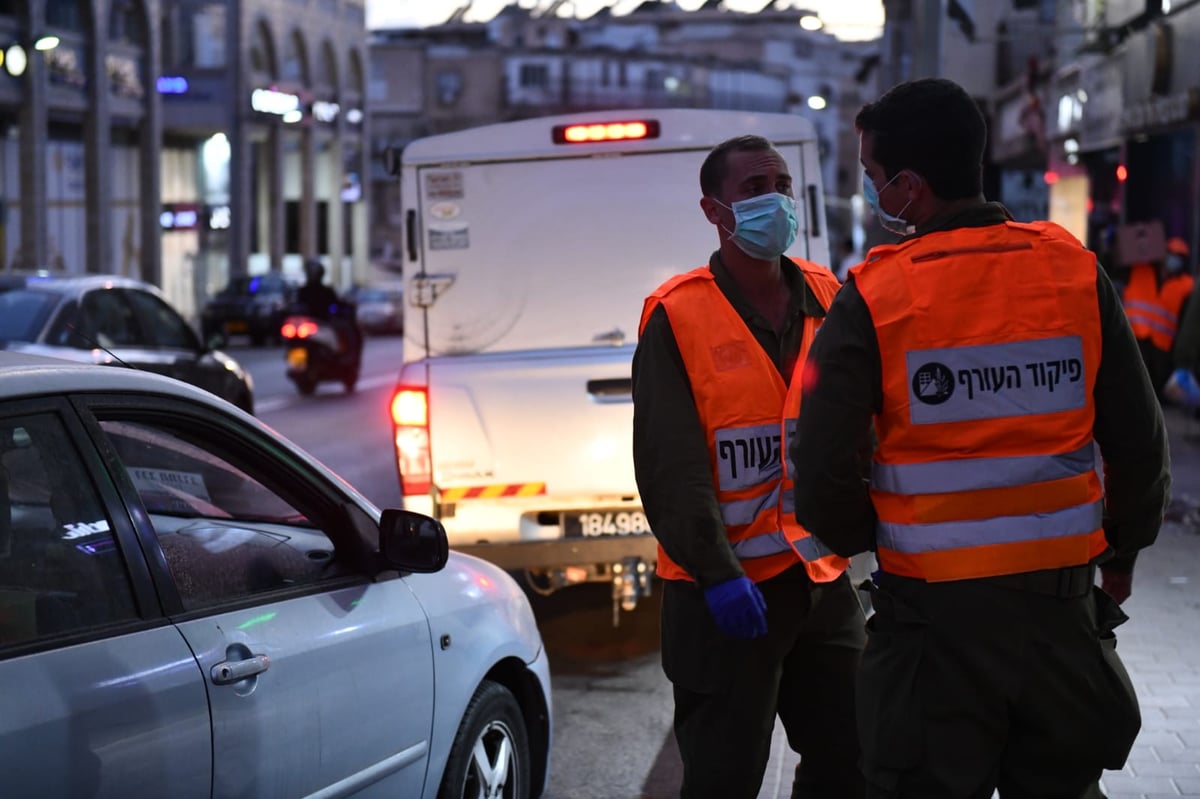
893	192
748	174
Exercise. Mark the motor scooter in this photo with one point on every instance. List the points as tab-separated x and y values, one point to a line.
321	350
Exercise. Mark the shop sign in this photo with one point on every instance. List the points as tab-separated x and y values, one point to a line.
324	111
1161	111
277	103
179	216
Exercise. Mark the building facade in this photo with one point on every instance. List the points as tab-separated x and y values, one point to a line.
183	141
524	63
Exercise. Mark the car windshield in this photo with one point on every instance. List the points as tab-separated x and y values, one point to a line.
23	313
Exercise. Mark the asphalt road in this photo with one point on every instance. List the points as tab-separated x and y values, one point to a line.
612	705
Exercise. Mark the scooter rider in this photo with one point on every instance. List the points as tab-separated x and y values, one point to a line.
320	301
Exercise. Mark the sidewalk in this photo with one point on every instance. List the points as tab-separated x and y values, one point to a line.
1160	646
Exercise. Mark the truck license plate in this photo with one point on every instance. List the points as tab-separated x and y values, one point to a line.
600	523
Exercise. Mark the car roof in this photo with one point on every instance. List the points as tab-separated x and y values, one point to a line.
72	284
25	375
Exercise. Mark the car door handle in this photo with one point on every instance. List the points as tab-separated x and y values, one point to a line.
230	671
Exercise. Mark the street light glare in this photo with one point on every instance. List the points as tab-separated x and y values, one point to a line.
46	43
816	102
811	22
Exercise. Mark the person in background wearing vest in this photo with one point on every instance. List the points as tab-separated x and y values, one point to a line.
758	619
990	358
1154	300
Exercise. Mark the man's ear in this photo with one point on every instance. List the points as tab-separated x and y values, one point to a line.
712	211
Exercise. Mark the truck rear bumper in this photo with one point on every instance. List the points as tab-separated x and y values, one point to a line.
517	555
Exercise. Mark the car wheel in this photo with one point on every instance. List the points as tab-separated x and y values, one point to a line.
490	756
306	385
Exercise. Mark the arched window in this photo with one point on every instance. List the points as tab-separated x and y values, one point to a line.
126	23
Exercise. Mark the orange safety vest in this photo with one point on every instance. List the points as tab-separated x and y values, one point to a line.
1153	312
748	414
986	463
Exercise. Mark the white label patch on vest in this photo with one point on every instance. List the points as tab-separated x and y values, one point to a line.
748	456
993	381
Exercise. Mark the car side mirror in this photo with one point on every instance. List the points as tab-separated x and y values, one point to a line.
412	542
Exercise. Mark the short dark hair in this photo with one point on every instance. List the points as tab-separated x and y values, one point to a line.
715	168
933	127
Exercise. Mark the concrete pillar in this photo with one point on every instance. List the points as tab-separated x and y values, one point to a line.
275	207
33	251
241	182
97	146
150	156
308	194
360	219
336	225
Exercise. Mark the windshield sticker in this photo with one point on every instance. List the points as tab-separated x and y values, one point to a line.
992	381
158	479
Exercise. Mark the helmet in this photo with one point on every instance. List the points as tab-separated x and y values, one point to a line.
1177	246
314	270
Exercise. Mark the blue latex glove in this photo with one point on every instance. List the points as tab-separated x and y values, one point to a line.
738	607
1182	388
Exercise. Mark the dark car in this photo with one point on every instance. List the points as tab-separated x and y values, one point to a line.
114	320
251	305
380	307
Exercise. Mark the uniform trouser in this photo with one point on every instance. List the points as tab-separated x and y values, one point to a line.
728	691
966	687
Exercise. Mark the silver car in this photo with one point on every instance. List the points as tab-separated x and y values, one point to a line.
191	606
114	320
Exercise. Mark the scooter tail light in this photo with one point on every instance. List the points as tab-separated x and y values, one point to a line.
410	420
288	330
307	329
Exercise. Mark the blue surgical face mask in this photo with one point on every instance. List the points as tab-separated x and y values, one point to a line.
892	224
764	226
1175	263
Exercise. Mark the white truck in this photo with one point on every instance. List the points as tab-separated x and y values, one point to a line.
530	246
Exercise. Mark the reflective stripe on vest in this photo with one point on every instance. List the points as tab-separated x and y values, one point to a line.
918	538
973	474
809	548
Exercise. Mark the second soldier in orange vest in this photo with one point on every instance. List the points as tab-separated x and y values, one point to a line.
758	618
1154	301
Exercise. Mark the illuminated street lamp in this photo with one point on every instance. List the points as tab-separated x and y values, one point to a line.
816	102
46	43
811	22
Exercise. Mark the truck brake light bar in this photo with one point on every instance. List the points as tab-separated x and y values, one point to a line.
626	130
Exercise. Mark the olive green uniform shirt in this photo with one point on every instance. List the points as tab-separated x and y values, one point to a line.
832	499
670	451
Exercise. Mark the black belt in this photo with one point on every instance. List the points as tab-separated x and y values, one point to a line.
1067	582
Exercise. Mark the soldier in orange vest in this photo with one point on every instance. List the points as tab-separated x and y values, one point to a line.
1154	299
997	369
758	618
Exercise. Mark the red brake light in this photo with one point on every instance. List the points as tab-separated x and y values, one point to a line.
410	417
623	130
306	329
288	330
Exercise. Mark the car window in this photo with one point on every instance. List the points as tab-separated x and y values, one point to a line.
109	320
164	327
23	313
225	535
60	567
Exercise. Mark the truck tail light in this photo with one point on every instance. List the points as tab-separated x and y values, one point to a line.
617	130
410	422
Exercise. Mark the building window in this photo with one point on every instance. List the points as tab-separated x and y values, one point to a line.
535	76
64	15
194	37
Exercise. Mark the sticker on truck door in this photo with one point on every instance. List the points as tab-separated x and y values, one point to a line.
443	186
449	237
